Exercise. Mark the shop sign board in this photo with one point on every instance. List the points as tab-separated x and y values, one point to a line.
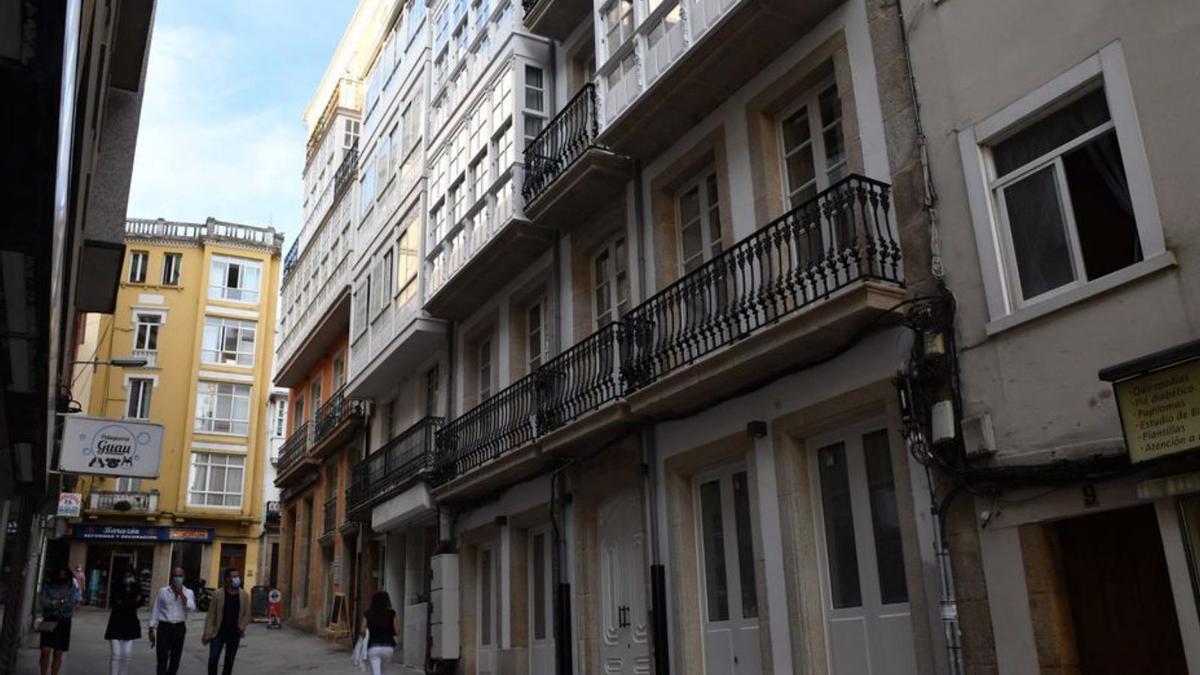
1160	411
70	505
141	533
99	446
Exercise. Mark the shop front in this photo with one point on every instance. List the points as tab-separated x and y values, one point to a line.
106	552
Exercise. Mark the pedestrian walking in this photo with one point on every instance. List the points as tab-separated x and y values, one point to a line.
59	597
168	622
379	625
228	616
80	581
123	626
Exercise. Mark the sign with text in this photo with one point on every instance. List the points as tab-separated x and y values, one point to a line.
104	447
70	505
1160	412
140	533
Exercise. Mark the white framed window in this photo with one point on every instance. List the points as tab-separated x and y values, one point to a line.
477	174
1060	193
138	260
339	369
533	127
408	263
223	408
137	405
384	280
228	341
314	392
813	145
610	283
234	279
535	334
279	422
298	409
699	217
360	307
410	125
535	89
382	165
503	150
502	100
618	23
664	43
432	386
145	331
216	480
172	267
485	369
349	133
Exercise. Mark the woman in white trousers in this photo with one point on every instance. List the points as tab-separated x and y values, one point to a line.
123	625
379	624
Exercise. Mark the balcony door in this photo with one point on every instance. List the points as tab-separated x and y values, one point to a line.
541	603
698	213
729	593
625	646
868	620
487	611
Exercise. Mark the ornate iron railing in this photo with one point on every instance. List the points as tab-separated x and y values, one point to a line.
271	514
329	514
572	131
483	433
333	412
294	448
528	5
344	176
292	258
379	475
840	237
580	379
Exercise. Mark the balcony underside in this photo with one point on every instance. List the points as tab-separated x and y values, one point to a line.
337	437
336	323
740	46
421	337
557	19
590	182
513	249
297	472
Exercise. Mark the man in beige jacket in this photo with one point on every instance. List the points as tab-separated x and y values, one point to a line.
228	616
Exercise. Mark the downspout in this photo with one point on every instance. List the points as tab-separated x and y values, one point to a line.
639	219
562	589
658	576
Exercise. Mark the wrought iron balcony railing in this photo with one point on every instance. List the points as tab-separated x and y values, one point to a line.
271	514
292	257
572	131
378	475
329	515
528	5
333	412
344	176
294	448
123	500
842	236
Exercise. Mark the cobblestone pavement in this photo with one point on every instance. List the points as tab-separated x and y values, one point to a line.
262	651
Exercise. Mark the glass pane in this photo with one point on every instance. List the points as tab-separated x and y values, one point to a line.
200	474
889	553
1039	234
1102	207
217	478
840	550
715	583
745	545
800	169
1075	119
835	146
539	586
485	598
831	106
796	131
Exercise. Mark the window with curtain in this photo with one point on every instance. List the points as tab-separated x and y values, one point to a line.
216	479
1060	192
229	341
223	407
234	279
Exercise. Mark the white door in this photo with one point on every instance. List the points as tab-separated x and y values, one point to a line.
487	610
625	647
541	603
729	596
867	615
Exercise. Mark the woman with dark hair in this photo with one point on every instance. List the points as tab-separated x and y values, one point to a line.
380	624
123	626
59	596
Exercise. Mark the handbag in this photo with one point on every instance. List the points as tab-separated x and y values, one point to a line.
46	626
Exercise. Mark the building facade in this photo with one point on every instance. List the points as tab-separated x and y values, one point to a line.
1070	249
276	433
197	303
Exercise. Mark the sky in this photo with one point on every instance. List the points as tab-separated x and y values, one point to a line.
222	132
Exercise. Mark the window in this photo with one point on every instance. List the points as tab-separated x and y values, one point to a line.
298	410
504	150
349	133
407	246
535	334
699	223
814	150
533	127
145	331
478	178
234	279
382	279
366	186
137	407
137	266
279	423
228	341
339	370
535	89
397	152
382	165
1060	193
502	100
171	268
362	297
618	24
730	588
432	385
216	480
485	370
223	407
388	430
610	283
314	392
410	123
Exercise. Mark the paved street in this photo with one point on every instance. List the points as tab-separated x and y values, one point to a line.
263	651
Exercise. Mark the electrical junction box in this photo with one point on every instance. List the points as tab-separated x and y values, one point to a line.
979	438
443	614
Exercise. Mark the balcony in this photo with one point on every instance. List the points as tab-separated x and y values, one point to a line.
685	59
329	516
123	501
292	257
313	322
488	246
346	171
272	516
387	471
211	230
815	277
294	454
150	356
335	422
555	18
567	175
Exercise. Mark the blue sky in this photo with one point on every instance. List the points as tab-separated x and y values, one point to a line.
221	132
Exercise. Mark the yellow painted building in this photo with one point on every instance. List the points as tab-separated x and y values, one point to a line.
197	303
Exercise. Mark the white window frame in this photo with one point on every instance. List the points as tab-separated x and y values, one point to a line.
484	362
172	263
208	425
222	324
134	384
1004	309
613	285
707	244
811	99
536	308
205	459
279	421
222	292
138	323
139	266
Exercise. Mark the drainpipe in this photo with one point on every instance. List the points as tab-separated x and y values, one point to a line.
658	576
562	589
639	219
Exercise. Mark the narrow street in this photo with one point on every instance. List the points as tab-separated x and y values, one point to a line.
262	651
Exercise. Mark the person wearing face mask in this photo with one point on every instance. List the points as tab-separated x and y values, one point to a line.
123	627
228	616
168	622
58	599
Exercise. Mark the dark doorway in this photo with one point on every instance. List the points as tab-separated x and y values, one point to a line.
187	555
232	555
1121	601
275	564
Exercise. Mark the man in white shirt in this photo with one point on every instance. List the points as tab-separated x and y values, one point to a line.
168	622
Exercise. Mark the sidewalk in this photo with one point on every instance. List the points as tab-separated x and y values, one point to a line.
262	651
